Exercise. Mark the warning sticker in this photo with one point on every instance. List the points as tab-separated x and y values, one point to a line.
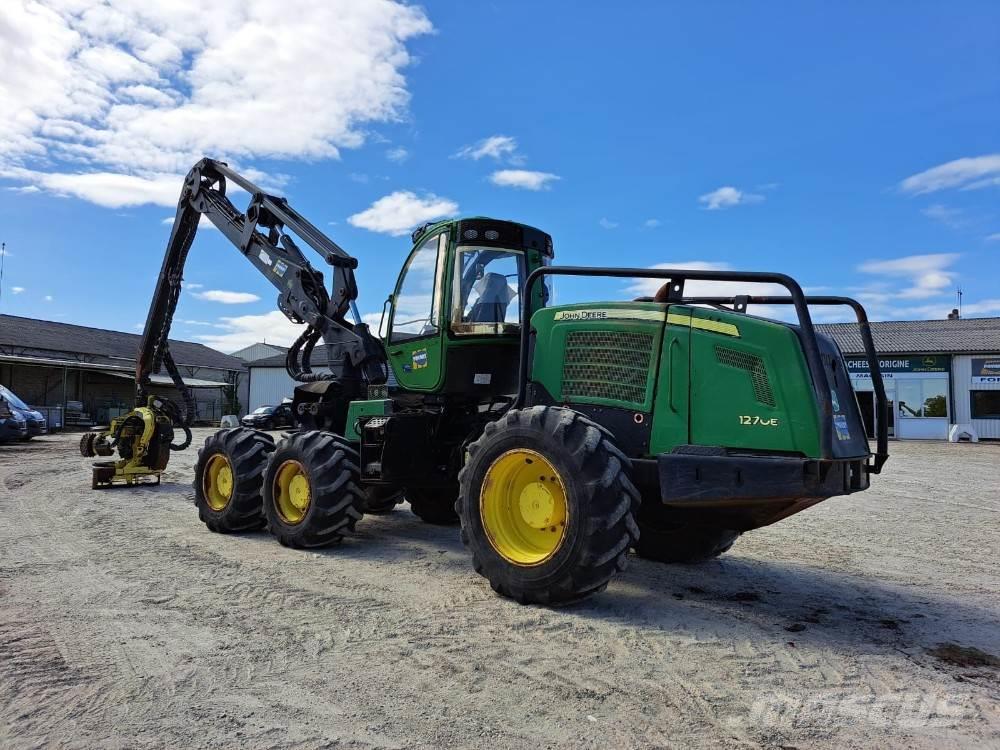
840	424
419	359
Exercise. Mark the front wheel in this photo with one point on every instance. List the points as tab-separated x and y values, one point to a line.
228	477
547	506
312	492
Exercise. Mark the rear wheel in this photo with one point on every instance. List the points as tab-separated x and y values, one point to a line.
434	505
547	506
665	539
312	494
380	500
229	477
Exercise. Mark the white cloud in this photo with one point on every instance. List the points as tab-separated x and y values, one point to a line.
203	222
398	155
47	298
649	287
244	330
125	89
523	178
199	323
25	189
727	197
17	290
192	285
952	217
607	223
651	223
927	275
993	237
399	212
496	147
226	298
108	189
965	174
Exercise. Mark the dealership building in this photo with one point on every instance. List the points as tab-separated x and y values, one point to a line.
942	377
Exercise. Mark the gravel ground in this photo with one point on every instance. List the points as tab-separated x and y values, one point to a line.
865	621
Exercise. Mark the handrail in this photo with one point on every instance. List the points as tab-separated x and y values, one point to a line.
678	277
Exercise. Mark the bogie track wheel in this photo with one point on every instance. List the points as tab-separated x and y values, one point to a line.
547	506
665	538
380	500
87	444
434	505
312	492
229	477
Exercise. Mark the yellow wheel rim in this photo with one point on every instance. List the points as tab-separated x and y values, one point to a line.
218	482
523	507
292	494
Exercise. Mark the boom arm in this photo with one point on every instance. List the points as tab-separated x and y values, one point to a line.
261	234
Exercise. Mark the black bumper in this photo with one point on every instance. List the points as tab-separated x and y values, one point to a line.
746	492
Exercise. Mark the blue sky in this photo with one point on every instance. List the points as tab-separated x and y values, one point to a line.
855	146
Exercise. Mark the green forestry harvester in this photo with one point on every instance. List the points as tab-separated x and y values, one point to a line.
560	436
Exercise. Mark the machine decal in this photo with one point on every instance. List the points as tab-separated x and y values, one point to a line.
840	424
280	267
264	257
748	419
715	326
419	359
609	314
482	378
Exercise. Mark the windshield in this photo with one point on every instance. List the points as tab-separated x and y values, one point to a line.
263	410
487	288
11	399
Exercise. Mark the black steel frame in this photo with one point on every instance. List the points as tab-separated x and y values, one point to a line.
796	297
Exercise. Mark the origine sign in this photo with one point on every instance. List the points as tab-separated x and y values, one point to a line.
900	367
985	370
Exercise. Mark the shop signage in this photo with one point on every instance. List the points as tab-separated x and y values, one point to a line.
900	368
985	370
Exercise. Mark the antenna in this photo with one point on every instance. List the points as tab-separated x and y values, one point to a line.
3	257
959	293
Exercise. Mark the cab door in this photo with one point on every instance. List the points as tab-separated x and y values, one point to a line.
415	327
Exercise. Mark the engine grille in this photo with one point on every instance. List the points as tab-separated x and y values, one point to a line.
607	364
754	368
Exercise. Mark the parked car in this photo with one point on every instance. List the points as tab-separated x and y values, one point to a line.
269	417
13	426
34	420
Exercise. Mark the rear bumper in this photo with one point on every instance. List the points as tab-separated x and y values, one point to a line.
746	492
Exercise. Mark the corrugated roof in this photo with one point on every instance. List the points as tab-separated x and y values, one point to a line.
963	336
50	336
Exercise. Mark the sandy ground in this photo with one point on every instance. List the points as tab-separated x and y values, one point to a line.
125	623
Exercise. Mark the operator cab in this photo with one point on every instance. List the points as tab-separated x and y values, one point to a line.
454	324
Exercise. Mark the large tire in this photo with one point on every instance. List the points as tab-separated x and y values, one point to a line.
312	492
665	539
434	505
583	490
228	478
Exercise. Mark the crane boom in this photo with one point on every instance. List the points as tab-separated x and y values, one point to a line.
263	234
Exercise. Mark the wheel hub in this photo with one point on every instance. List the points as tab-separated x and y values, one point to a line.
523	506
292	493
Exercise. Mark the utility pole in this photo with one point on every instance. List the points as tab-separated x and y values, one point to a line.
3	257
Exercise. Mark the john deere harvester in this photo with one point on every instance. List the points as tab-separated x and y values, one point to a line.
560	436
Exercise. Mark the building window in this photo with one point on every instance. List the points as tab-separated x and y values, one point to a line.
922	398
985	404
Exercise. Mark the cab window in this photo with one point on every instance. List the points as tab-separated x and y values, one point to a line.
487	288
416	310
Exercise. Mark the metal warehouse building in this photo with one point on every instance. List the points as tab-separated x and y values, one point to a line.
942	377
87	375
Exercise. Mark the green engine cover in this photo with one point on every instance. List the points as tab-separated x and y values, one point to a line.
701	376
